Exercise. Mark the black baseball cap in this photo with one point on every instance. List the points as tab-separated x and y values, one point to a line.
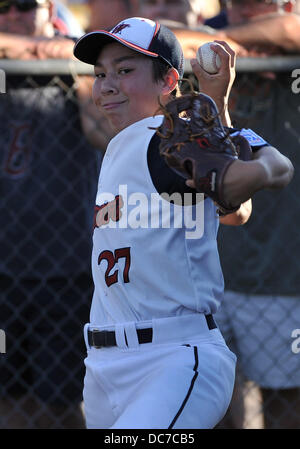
142	35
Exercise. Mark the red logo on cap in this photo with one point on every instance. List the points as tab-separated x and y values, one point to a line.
119	28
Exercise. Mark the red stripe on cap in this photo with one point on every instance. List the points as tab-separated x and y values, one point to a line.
157	27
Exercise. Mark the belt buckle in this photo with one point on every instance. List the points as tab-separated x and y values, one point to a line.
94	331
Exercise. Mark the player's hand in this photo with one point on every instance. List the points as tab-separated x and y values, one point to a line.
218	85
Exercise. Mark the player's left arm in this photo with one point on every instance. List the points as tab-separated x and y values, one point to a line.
240	217
268	170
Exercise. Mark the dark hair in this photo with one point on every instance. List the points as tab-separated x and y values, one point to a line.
160	69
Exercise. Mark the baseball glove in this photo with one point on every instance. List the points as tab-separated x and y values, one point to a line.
198	148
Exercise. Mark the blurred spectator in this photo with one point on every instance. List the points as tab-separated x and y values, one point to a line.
185	18
105	14
65	22
261	26
32	35
220	20
48	183
180	12
189	29
275	25
27	32
261	307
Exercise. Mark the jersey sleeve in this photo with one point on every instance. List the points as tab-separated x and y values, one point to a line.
165	180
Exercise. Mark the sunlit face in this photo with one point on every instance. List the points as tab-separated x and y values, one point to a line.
29	23
124	89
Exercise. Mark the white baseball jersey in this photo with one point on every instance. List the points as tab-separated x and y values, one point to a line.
148	261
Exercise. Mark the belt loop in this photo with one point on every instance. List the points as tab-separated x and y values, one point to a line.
131	335
120	336
85	335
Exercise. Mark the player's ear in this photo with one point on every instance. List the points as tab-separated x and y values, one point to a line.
170	81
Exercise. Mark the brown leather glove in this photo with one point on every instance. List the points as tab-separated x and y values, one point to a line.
197	147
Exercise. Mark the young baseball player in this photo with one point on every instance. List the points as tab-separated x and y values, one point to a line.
156	358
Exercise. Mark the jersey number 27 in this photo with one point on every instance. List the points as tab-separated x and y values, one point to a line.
112	259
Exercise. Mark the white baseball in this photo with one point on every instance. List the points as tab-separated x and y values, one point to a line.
208	59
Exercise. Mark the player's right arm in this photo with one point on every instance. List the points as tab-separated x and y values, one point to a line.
218	86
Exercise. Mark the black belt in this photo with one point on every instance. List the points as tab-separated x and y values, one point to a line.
100	339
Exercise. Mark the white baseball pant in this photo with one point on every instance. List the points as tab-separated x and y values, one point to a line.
183	379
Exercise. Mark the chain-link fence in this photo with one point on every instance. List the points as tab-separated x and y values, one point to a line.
260	260
48	181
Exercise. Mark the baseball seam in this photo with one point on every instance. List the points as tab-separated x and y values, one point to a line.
214	61
201	59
